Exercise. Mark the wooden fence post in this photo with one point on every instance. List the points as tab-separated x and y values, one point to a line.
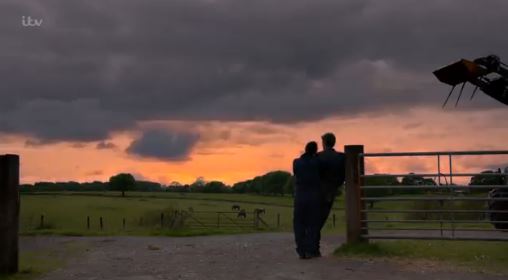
354	204
88	222
42	222
333	216
278	220
9	213
101	225
162	220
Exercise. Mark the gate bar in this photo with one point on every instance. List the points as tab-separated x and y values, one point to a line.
443	153
433	175
436	187
425	237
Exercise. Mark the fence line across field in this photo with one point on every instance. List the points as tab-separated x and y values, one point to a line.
359	226
211	219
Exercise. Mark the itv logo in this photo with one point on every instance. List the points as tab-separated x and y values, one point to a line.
28	21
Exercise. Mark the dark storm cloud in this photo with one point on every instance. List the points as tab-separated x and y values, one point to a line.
95	67
164	145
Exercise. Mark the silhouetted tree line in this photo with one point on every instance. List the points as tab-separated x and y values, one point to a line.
416	180
141	186
480	180
389	180
272	183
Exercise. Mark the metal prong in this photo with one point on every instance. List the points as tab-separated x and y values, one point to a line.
474	92
460	94
450	94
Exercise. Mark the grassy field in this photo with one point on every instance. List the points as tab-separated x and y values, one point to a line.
37	262
66	213
488	257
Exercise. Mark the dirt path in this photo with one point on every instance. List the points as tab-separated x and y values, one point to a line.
246	257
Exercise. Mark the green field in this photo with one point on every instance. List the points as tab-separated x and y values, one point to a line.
488	257
66	213
37	262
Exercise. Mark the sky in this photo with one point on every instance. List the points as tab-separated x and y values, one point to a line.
230	89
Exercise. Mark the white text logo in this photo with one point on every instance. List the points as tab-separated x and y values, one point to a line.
30	22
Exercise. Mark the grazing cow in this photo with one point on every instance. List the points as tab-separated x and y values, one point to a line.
242	214
235	207
259	211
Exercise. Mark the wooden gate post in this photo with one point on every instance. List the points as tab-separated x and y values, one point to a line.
354	204
9	213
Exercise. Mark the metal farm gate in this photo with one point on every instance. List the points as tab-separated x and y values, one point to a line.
228	220
441	211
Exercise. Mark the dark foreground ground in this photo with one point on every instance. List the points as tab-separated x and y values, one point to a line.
252	256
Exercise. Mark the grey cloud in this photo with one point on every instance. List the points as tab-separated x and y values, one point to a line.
78	145
95	67
49	120
95	173
164	145
412	125
105	145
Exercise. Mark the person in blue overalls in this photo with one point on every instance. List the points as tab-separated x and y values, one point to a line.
306	216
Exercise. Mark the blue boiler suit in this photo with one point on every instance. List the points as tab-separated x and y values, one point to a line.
306	215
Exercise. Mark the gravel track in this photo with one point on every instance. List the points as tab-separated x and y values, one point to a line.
245	257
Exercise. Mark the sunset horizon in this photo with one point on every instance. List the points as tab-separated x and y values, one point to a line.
223	153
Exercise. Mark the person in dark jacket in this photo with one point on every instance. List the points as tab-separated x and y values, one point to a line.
332	169
306	216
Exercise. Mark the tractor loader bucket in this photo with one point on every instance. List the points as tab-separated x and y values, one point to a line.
459	72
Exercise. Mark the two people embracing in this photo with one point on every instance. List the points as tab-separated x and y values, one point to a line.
318	177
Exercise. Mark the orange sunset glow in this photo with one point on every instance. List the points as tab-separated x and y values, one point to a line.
234	151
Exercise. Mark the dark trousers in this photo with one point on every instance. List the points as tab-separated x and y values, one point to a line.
306	221
325	208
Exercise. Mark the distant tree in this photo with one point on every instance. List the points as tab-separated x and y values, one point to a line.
94	186
384	180
175	184
381	180
240	187
414	180
177	187
198	185
289	186
215	187
147	186
122	182
26	188
274	182
487	179
255	185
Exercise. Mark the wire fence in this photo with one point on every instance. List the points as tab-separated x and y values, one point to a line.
169	220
